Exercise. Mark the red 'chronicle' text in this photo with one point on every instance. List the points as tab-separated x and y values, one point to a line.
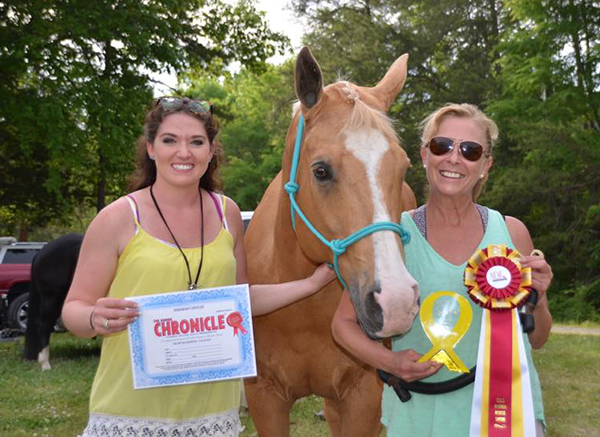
169	327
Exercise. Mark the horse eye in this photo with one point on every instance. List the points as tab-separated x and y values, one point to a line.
321	172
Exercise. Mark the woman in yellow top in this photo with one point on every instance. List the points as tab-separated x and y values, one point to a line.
173	232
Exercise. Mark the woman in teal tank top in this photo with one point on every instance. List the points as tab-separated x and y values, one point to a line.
457	145
171	233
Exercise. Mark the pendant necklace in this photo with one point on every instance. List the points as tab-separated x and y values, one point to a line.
191	285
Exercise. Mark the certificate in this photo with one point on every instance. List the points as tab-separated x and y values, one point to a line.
192	336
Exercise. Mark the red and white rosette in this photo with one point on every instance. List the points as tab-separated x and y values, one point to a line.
495	279
502	400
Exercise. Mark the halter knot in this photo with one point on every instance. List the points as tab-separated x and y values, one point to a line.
291	187
337	247
404	235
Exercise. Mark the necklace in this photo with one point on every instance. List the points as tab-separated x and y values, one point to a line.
191	285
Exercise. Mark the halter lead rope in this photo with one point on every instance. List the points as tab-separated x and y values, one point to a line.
338	247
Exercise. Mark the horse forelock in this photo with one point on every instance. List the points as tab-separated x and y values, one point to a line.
361	115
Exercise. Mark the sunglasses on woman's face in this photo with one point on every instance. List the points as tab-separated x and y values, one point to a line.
470	150
175	104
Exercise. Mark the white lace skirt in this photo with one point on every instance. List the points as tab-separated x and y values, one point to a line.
226	424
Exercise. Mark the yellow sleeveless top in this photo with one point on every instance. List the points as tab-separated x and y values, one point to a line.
148	266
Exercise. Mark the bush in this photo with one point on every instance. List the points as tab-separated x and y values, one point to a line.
578	304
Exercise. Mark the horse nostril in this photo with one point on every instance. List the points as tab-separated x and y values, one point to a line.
373	311
415	288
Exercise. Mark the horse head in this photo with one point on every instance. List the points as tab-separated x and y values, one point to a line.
347	181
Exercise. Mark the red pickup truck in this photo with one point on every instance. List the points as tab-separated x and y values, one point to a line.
15	273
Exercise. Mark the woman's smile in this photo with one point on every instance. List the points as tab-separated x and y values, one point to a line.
451	174
183	167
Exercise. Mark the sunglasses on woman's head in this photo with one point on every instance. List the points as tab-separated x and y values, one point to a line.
169	104
470	150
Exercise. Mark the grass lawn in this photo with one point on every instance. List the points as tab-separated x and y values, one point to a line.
54	403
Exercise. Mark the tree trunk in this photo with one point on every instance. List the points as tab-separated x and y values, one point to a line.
101	199
23	232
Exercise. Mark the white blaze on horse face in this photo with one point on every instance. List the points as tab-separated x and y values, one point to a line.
399	291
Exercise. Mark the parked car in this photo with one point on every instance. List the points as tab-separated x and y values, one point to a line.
246	216
15	274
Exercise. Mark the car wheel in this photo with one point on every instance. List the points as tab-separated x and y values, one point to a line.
17	312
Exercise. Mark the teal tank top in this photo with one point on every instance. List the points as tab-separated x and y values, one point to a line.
446	414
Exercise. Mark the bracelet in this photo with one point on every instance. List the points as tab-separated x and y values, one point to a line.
537	252
92	315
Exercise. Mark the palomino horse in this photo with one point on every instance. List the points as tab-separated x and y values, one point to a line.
345	173
52	271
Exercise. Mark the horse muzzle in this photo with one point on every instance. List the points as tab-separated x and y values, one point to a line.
384	313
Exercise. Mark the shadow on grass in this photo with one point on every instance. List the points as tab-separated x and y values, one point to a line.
75	349
65	346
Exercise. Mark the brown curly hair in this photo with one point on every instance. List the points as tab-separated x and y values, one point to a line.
145	173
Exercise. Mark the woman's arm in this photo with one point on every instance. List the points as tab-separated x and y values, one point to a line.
266	298
541	279
347	332
86	307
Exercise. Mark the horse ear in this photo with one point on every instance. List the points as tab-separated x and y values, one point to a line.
388	88
309	80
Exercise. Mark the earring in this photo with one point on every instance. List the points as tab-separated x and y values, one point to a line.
481	176
152	157
424	165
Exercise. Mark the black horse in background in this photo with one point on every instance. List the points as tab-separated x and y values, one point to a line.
52	271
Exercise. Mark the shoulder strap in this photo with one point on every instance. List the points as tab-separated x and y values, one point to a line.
420	220
224	202
134	209
220	206
483	213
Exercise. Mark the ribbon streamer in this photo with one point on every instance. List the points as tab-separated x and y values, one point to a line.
502	400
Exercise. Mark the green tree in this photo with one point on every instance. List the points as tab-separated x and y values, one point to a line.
255	110
76	82
548	170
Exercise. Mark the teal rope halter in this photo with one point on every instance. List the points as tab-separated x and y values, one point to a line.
338	247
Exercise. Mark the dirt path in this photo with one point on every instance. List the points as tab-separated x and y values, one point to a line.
578	330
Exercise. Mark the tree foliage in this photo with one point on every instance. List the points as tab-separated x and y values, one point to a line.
76	80
255	110
548	109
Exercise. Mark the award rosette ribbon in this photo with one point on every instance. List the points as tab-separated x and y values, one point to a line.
502	400
235	321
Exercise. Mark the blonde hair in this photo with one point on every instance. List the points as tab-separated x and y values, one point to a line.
431	125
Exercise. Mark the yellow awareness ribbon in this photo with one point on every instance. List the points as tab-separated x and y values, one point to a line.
443	339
